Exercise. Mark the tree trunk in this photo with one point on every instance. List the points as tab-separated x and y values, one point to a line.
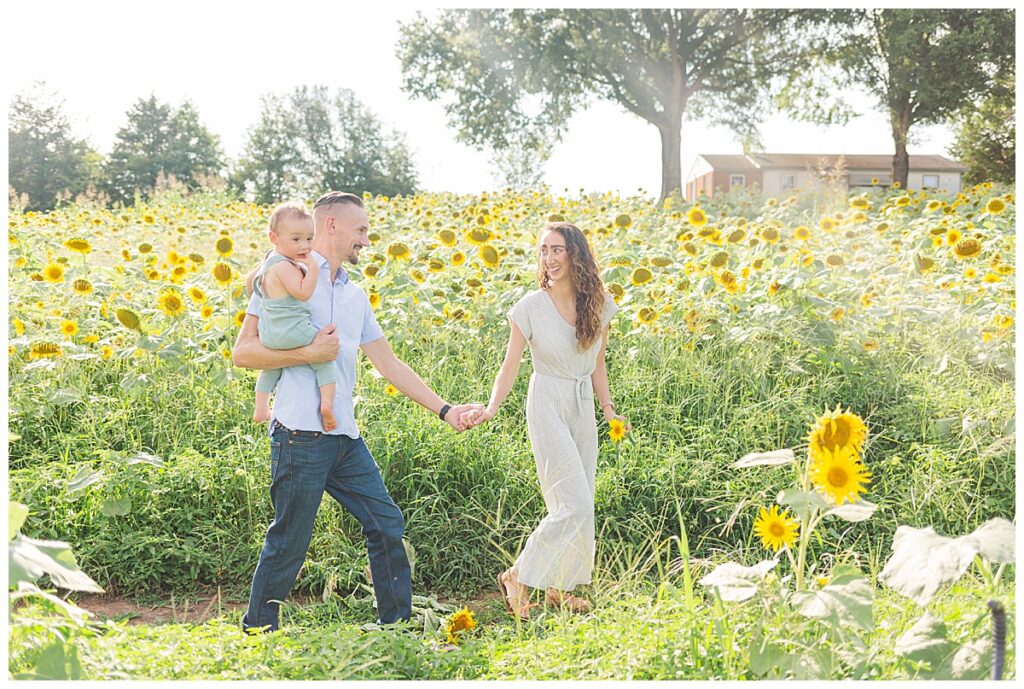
900	160
671	165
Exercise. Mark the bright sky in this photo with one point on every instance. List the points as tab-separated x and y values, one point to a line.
103	56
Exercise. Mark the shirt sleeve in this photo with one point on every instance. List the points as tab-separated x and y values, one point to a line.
520	315
254	304
610	307
371	329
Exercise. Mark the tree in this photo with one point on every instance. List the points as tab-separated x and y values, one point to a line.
46	161
986	137
309	141
160	141
503	71
923	66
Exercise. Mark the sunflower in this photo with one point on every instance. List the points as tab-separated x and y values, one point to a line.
870	345
719	259
902	201
170	302
81	286
206	311
622	220
240	317
970	273
224	246
128	318
44	350
478	236
736	236
417	275
148	218
641	276
53	272
647	315
838	313
447	237
690	248
697	217
776	529
391	390
197	295
616	429
399	251
726	278
834	260
995	206
68	329
458	258
145	248
374	300
78	245
840	475
827	224
489	255
106	351
834	431
661	261
802	233
197	258
461	621
882	227
953	236
923	264
222	273
859	202
770	235
967	248
19	327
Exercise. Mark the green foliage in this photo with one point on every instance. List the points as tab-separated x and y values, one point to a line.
160	142
46	163
310	140
986	136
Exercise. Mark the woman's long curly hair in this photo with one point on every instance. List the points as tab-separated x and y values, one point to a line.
590	299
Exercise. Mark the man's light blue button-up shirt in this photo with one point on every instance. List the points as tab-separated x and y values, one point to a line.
345	304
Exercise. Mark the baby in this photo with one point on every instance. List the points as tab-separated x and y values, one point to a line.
284	283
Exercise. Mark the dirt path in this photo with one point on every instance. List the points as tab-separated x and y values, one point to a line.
202	609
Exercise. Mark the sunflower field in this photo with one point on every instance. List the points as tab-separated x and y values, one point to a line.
821	394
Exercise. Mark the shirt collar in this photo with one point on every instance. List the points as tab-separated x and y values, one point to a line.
341	275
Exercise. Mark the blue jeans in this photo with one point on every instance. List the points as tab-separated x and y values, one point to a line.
304	464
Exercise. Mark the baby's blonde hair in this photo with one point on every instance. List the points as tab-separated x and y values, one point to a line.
288	209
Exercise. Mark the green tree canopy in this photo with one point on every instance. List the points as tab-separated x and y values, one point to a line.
161	141
505	72
923	66
46	161
986	136
309	141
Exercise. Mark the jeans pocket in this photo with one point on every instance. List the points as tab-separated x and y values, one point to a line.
275	458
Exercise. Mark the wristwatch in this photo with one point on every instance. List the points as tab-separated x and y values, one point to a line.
444	410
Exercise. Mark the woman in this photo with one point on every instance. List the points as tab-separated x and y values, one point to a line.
566	324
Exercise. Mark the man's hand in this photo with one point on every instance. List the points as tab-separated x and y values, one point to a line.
325	345
454	416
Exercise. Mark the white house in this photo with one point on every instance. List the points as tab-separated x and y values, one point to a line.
777	173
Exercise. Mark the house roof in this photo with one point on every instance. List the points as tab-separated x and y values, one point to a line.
761	161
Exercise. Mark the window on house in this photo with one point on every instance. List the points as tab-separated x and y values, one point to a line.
737	180
930	181
789	181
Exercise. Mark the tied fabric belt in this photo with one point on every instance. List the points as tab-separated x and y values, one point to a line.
583	388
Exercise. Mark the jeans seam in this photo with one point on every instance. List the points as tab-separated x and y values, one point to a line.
384	542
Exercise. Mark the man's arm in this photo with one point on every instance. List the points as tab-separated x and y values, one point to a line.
249	353
398	373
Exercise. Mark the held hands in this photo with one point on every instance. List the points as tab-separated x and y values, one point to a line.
475	417
457	415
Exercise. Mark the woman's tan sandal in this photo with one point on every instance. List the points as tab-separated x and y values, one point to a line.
523	612
567	601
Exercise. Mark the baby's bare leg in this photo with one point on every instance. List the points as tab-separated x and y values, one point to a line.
327	407
262	411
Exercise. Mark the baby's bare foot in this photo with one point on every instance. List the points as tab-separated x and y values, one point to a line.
327	413
261	414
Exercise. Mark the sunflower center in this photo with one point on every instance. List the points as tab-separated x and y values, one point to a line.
838	477
776	529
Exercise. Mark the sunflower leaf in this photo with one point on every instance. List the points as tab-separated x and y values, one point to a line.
853	511
848	603
925	641
922	561
28	559
736	582
16	515
83	478
802	501
773	458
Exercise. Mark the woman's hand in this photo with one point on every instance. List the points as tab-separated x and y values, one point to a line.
609	414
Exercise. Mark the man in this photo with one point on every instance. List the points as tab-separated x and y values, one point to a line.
304	460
